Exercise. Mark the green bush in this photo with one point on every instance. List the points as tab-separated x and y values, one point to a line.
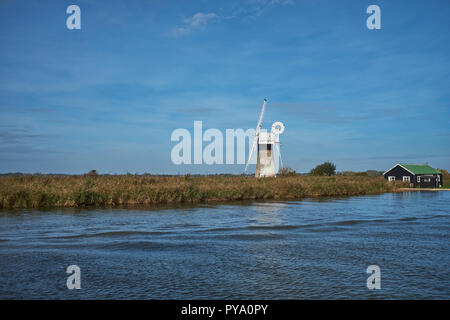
324	169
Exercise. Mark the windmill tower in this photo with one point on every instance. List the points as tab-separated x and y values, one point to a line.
265	142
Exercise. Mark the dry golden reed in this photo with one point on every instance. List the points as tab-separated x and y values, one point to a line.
36	191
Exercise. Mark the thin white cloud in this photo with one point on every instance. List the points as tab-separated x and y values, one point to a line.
197	21
251	8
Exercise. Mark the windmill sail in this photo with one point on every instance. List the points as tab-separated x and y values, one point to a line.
258	129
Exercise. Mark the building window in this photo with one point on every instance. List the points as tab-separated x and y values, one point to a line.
418	179
391	178
427	180
406	179
438	178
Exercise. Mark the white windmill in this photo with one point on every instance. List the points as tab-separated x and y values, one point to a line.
265	164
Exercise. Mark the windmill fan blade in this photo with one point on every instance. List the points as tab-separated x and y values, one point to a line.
251	152
258	129
258	126
279	153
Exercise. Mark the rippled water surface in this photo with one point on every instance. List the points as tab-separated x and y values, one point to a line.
270	250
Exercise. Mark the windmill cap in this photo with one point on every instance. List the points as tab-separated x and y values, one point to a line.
265	99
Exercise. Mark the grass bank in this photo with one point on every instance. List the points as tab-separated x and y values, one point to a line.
32	191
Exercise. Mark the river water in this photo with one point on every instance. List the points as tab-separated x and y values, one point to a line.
309	249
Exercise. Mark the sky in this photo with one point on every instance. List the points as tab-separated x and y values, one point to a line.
108	96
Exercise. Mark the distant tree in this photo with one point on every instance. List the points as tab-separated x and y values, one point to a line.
92	173
445	176
287	172
324	169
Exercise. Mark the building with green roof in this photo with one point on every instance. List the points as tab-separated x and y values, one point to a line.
417	175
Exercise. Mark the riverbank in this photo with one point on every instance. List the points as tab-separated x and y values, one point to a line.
34	191
422	189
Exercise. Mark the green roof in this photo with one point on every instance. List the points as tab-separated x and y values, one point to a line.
419	168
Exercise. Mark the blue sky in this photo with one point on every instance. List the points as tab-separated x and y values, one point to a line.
108	96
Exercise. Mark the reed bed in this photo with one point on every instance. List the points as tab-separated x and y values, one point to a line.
35	191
